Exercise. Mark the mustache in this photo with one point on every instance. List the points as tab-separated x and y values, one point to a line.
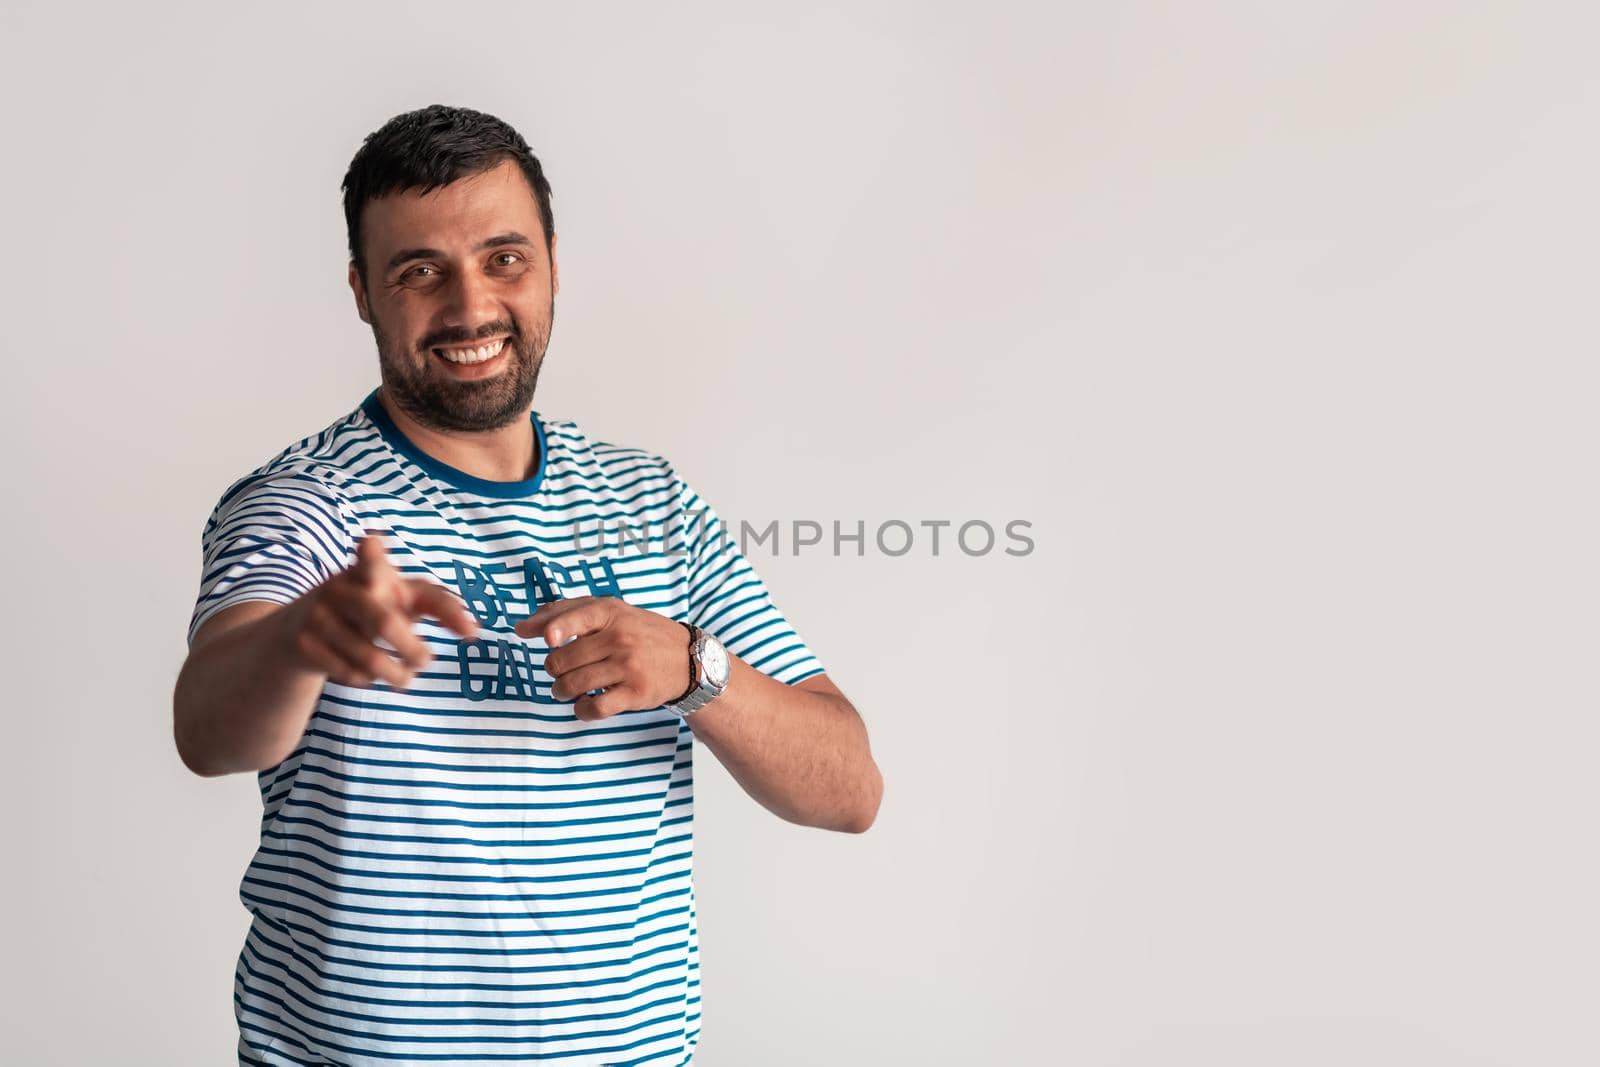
461	337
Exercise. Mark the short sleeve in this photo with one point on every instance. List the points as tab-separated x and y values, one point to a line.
273	536
728	599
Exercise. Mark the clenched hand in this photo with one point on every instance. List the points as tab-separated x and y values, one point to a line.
640	658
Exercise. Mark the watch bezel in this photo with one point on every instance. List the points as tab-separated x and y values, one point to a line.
704	690
703	673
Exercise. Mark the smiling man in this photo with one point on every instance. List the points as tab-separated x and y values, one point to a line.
467	651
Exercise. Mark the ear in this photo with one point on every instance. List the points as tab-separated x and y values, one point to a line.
555	273
360	292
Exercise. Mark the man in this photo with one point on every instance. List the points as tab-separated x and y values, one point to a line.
467	649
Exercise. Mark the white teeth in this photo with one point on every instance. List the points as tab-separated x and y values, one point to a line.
473	355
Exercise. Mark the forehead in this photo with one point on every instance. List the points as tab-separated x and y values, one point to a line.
453	217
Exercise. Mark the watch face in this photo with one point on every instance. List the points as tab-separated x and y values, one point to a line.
714	658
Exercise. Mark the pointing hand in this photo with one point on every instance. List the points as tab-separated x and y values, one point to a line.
334	627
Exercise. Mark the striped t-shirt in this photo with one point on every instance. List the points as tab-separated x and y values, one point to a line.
462	871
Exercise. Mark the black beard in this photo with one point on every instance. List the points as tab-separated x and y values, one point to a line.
471	407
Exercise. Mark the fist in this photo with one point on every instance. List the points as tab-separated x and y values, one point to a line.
334	627
639	659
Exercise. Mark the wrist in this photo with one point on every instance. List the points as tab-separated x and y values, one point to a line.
285	627
708	669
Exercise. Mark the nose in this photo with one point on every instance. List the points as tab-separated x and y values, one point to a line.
469	301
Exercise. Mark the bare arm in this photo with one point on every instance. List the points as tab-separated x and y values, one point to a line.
799	750
244	696
255	670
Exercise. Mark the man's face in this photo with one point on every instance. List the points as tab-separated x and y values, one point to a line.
460	268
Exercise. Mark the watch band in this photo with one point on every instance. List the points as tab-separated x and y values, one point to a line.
694	670
702	690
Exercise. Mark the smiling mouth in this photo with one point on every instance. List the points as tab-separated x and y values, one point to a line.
472	354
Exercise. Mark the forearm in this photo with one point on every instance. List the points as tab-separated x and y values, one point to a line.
243	699
800	753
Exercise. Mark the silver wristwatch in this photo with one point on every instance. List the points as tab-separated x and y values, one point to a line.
708	671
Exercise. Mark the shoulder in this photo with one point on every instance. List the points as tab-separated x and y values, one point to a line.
312	469
567	440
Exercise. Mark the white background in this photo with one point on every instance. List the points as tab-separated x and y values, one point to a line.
1275	320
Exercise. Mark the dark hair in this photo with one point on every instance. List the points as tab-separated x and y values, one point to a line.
430	147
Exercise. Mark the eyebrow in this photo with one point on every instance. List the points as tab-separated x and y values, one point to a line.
499	239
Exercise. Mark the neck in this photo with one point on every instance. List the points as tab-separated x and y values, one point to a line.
502	455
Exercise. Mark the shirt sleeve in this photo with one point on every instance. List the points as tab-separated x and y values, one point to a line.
273	536
728	599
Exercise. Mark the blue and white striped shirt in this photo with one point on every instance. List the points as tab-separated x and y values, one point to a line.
463	871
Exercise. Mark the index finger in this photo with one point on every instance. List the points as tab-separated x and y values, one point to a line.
537	623
434	601
561	620
372	559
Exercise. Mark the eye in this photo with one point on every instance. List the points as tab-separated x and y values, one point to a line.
511	256
413	272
